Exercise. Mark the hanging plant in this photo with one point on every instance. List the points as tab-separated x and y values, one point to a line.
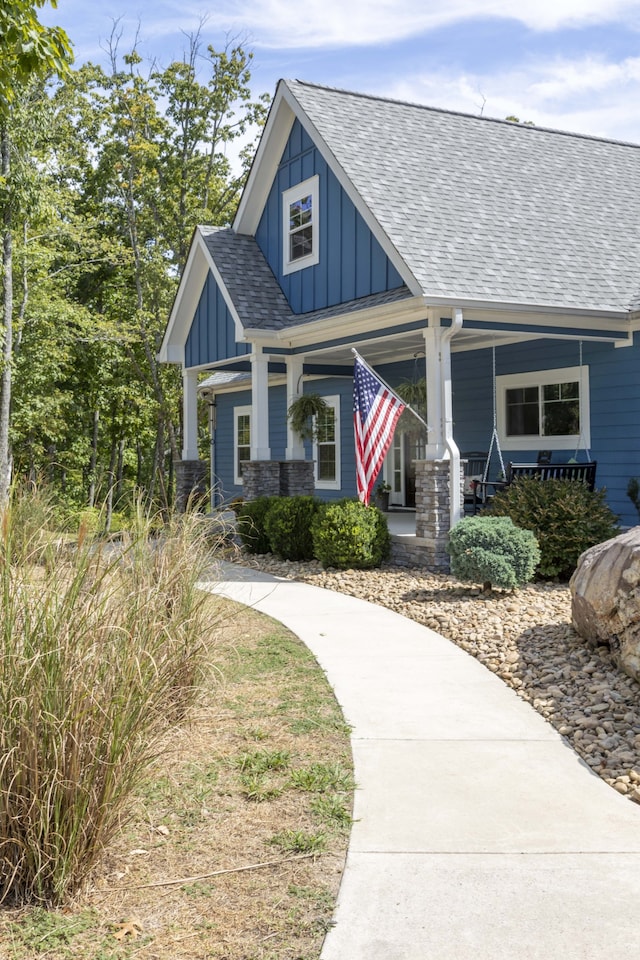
301	414
414	394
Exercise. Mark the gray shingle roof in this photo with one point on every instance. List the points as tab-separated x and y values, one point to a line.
255	292
488	209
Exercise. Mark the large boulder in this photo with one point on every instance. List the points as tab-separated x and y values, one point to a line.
605	598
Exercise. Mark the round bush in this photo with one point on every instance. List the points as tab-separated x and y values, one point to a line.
492	550
251	520
566	517
287	524
348	535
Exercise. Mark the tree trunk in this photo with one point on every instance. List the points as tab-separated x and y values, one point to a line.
7	319
94	459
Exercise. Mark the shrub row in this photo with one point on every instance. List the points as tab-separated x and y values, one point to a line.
342	534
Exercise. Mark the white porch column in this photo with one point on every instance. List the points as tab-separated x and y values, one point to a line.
295	446
260	449
190	414
435	448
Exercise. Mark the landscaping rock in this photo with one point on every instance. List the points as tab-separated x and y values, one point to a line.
605	598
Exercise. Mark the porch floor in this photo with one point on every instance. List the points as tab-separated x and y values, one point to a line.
401	523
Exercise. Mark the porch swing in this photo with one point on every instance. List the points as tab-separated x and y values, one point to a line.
543	469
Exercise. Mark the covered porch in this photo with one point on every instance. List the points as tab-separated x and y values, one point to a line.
450	347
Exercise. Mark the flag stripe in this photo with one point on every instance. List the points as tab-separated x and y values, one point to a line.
376	409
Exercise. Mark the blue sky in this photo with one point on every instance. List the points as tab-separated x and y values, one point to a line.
568	64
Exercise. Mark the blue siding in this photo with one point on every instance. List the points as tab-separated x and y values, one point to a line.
352	262
212	333
614	406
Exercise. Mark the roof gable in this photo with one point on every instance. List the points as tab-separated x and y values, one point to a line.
476	208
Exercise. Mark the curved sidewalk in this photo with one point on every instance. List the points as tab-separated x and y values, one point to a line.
478	834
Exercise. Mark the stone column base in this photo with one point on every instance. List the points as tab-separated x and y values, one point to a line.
433	511
296	478
191	482
260	478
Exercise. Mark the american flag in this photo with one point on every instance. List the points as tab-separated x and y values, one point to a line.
376	409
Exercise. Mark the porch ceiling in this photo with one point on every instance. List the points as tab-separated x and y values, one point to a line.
399	346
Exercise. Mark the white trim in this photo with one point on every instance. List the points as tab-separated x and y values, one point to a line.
541	378
237	413
334	403
310	187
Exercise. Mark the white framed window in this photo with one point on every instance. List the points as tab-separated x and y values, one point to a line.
546	408
326	446
241	440
300	209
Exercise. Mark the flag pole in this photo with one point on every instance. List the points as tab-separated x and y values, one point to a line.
384	383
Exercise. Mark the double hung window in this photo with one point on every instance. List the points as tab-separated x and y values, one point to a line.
300	225
241	440
326	446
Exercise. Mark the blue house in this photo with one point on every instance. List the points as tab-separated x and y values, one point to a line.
499	261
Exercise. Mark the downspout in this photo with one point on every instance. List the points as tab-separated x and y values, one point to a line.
450	444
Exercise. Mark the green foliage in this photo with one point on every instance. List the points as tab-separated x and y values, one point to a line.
633	492
109	172
251	524
492	550
298	841
566	517
347	534
287	525
302	412
99	652
28	48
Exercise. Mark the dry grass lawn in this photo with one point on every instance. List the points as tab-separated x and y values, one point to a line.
235	848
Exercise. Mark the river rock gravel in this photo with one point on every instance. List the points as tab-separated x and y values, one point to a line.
526	638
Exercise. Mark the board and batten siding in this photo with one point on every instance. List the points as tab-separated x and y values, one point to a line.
212	333
614	405
352	263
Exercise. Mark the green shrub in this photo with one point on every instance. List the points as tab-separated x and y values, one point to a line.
251	519
287	525
347	534
566	517
492	550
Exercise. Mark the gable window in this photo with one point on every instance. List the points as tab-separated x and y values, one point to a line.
548	408
326	446
300	226
241	440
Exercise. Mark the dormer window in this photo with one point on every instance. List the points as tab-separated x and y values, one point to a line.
300	225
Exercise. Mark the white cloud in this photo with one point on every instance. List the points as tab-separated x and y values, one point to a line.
286	24
584	95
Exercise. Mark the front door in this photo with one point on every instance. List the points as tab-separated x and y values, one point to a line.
407	447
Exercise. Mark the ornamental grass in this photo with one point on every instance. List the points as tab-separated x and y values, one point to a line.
101	648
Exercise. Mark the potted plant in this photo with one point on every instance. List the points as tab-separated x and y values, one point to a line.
302	413
382	495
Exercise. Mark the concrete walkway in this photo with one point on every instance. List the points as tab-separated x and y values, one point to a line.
478	834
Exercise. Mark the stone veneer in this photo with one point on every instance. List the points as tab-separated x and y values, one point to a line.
272	478
296	478
191	481
433	511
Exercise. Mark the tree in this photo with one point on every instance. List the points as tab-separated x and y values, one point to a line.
140	159
29	51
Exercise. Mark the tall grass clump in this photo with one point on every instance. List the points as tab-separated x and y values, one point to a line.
101	647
